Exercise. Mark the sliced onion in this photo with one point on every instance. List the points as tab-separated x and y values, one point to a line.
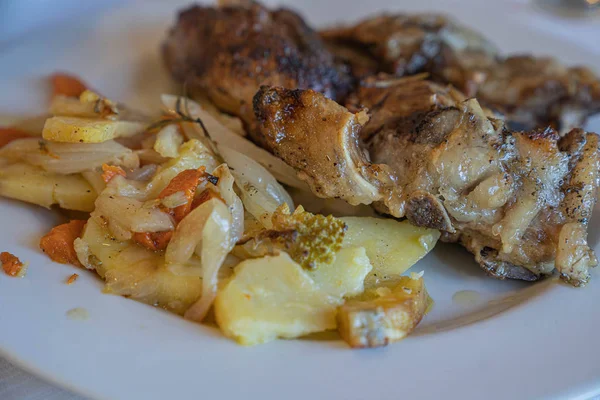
168	141
206	231
236	207
94	178
190	232
150	156
126	215
151	219
68	158
175	200
148	142
192	155
261	193
82	249
143	174
128	188
220	134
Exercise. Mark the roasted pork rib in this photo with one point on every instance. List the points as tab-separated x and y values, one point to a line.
519	201
228	52
531	92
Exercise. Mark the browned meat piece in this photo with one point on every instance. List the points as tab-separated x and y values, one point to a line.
531	92
333	165
534	91
228	52
409	44
519	201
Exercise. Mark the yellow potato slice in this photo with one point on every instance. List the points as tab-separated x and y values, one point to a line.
273	297
345	276
383	315
392	246
31	184
88	130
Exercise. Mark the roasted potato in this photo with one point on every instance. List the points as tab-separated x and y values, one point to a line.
392	246
345	276
383	315
88	130
31	184
273	297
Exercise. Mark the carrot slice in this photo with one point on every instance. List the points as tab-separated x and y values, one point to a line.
7	135
110	171
187	182
67	85
153	240
10	263
58	243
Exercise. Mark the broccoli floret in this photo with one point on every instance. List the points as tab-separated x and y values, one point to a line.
318	237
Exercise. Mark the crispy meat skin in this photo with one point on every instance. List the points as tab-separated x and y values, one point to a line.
519	201
333	166
229	52
530	91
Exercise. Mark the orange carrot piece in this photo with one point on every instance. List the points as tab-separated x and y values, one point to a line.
153	240
187	182
7	135
10	264
67	85
110	171
58	243
72	279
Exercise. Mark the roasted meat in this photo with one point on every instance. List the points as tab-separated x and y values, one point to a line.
228	52
519	201
531	92
409	44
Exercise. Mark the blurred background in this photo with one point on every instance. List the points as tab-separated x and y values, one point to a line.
19	17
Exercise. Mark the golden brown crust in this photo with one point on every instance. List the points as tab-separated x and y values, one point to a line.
229	52
319	138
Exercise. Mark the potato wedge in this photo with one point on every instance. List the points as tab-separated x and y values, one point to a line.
31	184
392	246
383	315
88	130
273	297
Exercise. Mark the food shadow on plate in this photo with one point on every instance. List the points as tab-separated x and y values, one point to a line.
449	271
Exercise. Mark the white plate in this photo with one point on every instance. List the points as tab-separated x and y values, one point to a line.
518	342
